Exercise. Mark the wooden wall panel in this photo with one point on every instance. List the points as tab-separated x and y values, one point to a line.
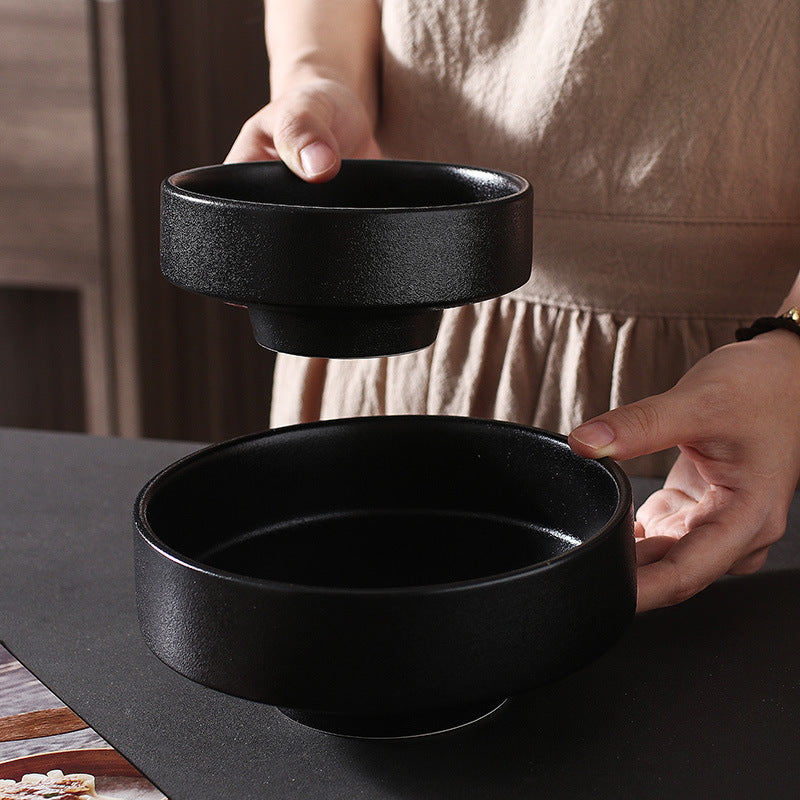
111	114
40	355
49	203
196	69
102	99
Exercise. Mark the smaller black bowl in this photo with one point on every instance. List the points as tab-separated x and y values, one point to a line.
385	576
359	266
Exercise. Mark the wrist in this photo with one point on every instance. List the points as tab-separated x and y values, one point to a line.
784	345
337	40
301	70
787	340
788	321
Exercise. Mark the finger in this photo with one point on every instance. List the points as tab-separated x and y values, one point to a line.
253	143
305	143
319	161
664	512
652	548
692	563
647	426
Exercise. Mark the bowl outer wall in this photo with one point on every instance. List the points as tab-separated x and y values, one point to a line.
336	257
386	651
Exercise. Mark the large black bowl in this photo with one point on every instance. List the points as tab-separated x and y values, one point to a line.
384	576
360	266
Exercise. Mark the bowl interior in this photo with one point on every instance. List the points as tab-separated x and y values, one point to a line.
387	547
381	503
361	185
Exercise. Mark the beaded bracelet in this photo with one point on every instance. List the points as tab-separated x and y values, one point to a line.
789	321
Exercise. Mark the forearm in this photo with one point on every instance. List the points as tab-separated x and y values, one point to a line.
334	39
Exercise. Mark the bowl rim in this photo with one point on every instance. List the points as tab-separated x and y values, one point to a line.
152	540
523	187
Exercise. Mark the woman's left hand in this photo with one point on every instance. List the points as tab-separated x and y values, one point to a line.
736	418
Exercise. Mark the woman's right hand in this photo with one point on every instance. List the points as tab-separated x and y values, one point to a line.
311	128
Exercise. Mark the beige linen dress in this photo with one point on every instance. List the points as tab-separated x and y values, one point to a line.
662	139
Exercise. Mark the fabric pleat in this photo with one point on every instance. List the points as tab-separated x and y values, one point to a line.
509	359
662	141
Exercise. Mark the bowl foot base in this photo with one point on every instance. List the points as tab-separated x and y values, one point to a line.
394	726
344	333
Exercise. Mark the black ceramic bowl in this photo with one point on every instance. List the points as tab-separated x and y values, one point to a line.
359	266
384	576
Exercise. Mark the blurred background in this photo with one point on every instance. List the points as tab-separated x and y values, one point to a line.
100	100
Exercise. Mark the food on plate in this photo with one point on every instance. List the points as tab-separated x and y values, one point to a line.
54	785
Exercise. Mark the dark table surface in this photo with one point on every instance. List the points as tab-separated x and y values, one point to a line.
700	700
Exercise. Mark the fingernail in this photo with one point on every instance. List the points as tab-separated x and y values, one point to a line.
316	158
594	434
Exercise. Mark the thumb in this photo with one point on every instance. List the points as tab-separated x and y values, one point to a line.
647	426
318	161
314	159
303	139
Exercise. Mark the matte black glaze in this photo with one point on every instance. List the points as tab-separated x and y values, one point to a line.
358	266
388	566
